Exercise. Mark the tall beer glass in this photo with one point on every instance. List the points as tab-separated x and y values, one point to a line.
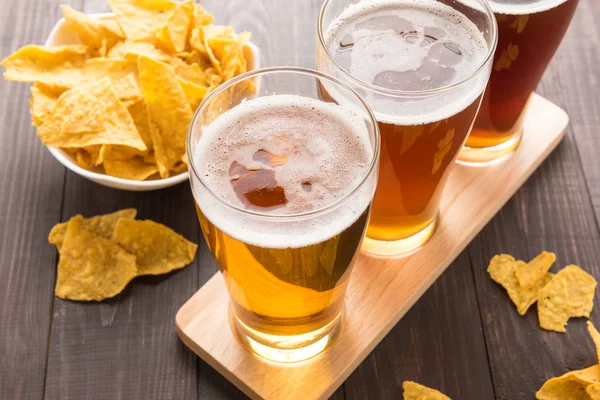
283	183
422	66
529	32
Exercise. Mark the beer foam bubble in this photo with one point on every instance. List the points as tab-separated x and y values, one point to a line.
392	43
520	7
323	143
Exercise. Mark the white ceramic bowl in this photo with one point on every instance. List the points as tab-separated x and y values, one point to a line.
61	35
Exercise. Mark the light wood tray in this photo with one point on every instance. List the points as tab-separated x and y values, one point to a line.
381	291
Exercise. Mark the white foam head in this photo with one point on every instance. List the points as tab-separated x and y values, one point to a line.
383	55
520	7
325	144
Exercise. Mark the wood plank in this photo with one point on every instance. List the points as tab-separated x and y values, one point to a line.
30	203
374	302
553	211
438	343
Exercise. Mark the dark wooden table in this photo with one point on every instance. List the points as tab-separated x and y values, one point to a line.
463	337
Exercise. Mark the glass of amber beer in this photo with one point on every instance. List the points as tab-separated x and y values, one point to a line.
283	183
529	32
422	66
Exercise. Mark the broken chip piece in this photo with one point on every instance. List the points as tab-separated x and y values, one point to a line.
415	391
532	272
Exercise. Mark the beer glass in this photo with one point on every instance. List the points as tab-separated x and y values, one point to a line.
422	66
283	183
529	32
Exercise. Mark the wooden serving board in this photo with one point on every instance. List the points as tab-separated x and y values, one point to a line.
381	291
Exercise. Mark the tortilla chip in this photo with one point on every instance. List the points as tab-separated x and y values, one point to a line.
158	249
57	67
194	93
169	112
502	270
593	391
571	385
131	50
101	225
415	391
87	115
173	36
122	74
93	32
139	113
189	72
570	293
595	337
91	267
229	51
141	19
535	269
41	103
133	169
201	16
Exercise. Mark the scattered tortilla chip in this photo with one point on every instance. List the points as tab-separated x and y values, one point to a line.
570	293
169	112
57	67
571	385
158	249
593	391
87	115
131	50
134	169
141	19
415	391
502	270
101	225
529	274
194	93
41	103
173	36
595	337
93	32
91	267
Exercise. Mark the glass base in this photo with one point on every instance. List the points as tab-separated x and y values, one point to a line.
398	248
480	156
285	348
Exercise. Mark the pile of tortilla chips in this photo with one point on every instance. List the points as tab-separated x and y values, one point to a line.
561	296
582	384
123	99
100	255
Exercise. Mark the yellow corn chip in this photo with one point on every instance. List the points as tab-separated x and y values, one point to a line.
535	269
87	157
131	50
570	293
571	385
173	36
209	34
194	93
87	115
141	19
101	225
57	67
231	55
593	391
168	110
595	337
201	16
189	72
415	391
158	248
93	32
41	103
91	267
122	74
134	169
139	113
502	270
150	159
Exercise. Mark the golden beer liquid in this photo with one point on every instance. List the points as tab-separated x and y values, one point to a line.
526	44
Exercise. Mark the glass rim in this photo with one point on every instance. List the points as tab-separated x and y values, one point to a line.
292	70
408	93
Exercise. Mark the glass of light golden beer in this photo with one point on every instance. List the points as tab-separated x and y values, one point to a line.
422	66
283	183
529	32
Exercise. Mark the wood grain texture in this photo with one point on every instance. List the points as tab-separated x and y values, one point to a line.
553	211
375	302
31	190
